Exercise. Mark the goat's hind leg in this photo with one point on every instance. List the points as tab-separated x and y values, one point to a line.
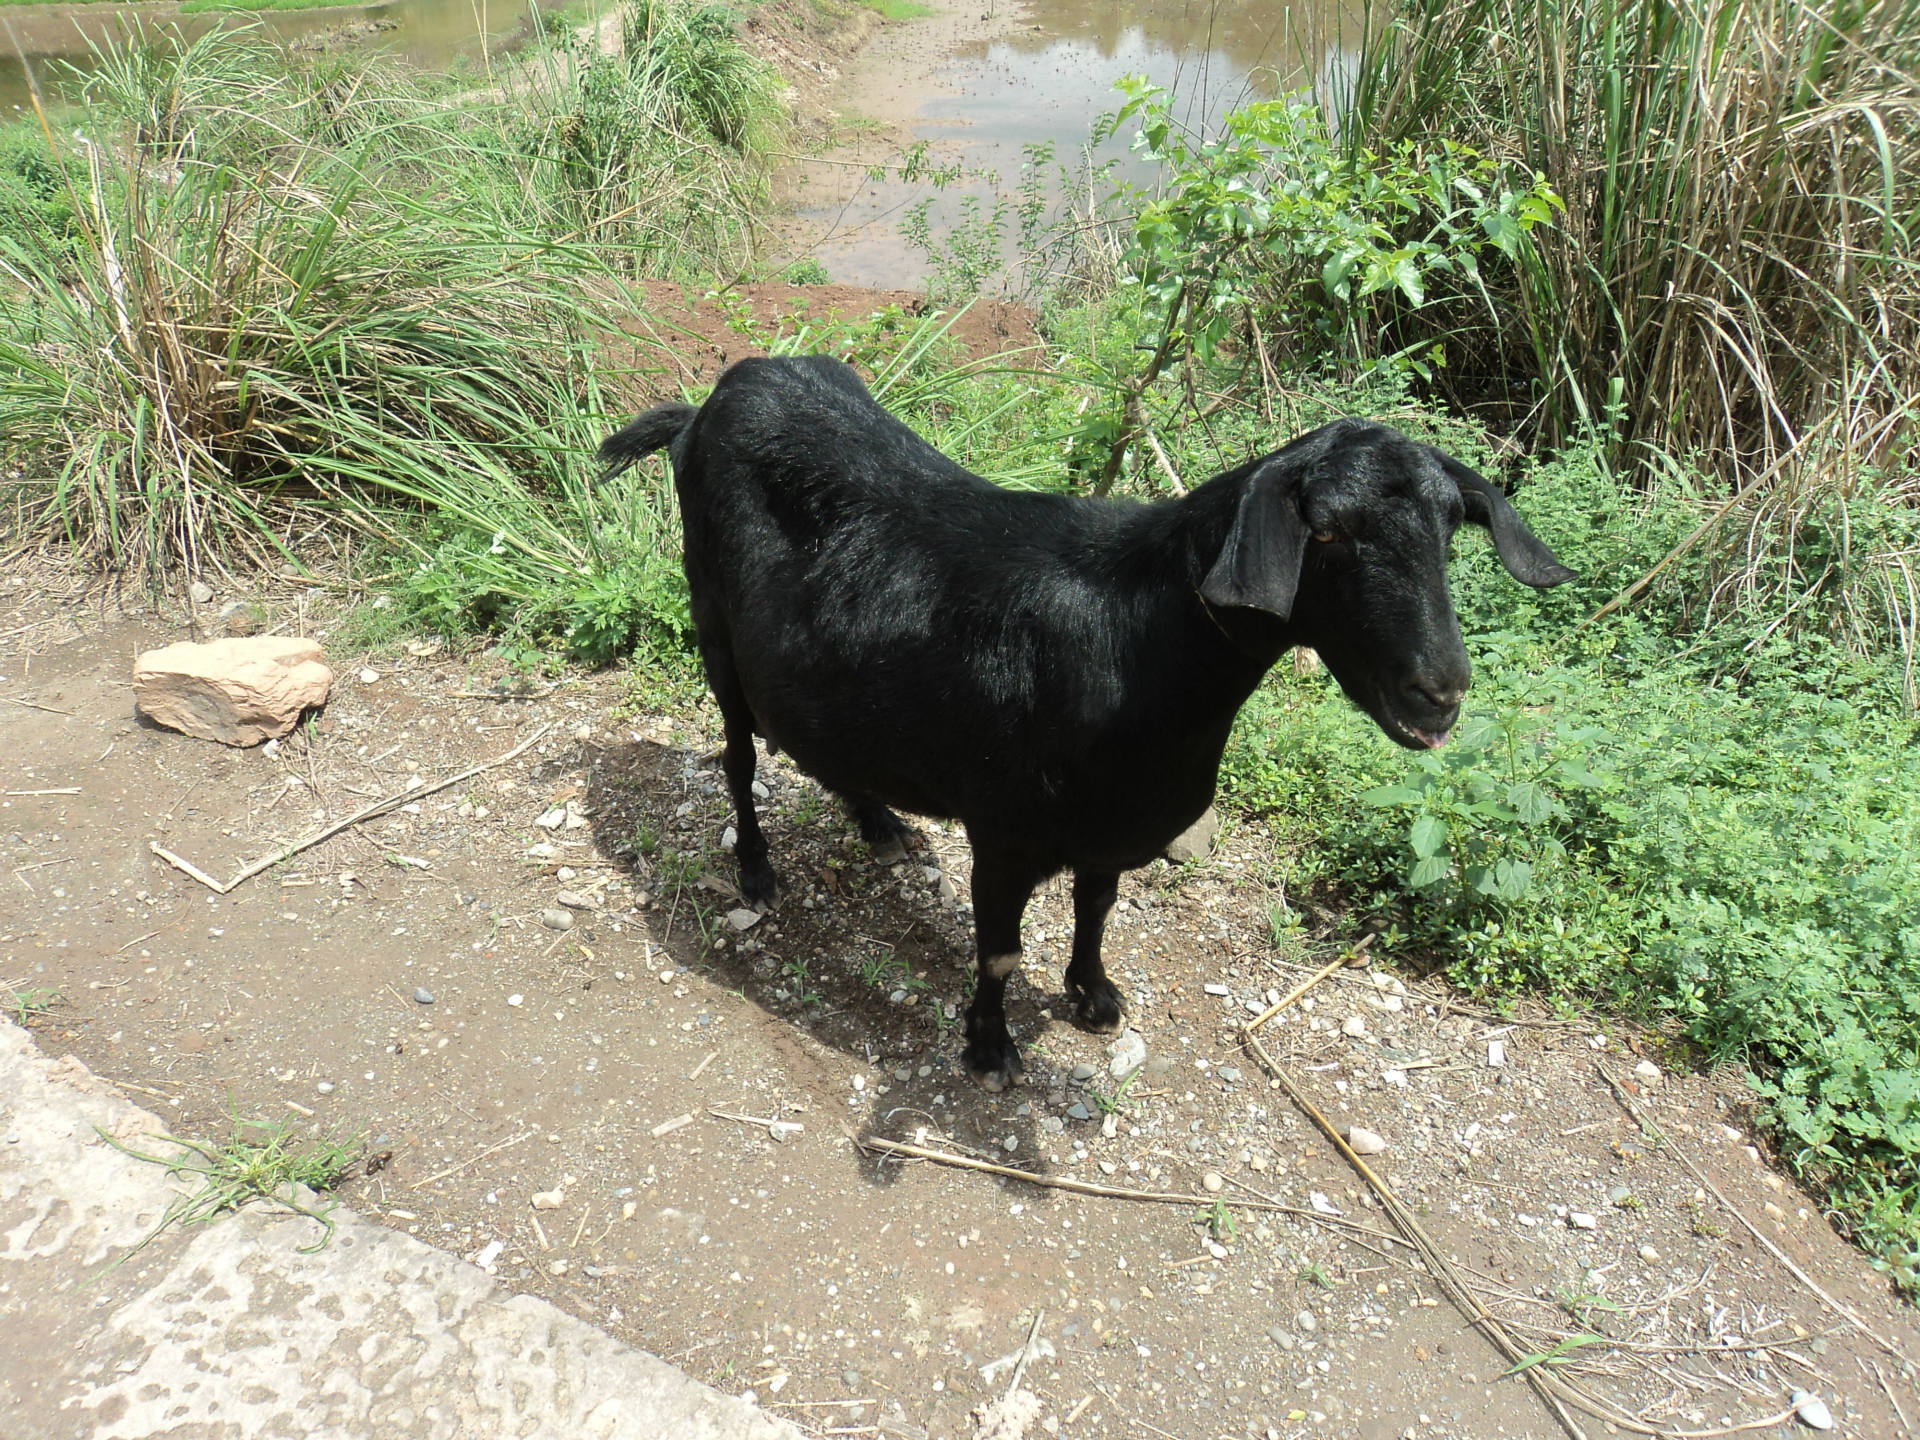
1096	1002
750	848
1000	895
886	833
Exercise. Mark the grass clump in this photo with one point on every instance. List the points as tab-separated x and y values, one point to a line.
256	294
262	1160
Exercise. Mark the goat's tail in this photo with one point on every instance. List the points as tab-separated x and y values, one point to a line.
652	430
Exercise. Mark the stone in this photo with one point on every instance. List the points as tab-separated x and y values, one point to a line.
1365	1142
1649	1254
1084	1072
1496	1055
548	1199
238	691
555	918
1353	1027
1581	1220
1129	1054
1078	1111
1196	840
743	919
1212	1182
574	900
200	591
369	677
241	618
1812	1411
423	996
1647	1072
1305	1321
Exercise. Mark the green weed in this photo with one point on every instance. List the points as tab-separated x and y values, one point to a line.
263	1160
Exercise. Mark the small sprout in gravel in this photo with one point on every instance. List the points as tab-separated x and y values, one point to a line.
33	1001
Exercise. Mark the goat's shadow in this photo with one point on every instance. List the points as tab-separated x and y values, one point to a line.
869	959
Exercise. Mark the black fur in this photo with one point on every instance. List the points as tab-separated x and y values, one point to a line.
1058	674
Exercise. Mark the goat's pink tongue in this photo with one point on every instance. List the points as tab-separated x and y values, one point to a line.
1436	738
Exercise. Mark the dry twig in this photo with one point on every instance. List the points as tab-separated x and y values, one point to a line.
379	807
1653	1131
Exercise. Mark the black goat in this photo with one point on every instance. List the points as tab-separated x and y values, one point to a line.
1058	674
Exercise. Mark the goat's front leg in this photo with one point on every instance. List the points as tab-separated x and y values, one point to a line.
1000	895
1096	1003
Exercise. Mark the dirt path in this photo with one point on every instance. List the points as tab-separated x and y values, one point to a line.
403	979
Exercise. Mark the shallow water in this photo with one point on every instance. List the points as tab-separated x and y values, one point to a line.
434	34
1049	76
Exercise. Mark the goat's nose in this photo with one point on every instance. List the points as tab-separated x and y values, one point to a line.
1440	694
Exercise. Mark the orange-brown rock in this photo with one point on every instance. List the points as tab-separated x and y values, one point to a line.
237	691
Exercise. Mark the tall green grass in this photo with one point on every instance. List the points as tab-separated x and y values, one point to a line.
1735	283
247	280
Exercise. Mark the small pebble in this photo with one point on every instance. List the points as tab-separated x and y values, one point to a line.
548	1199
1496	1054
556	918
1365	1142
325	1087
1619	1195
1305	1321
1212	1182
1214	987
516	1000
574	900
1648	1071
743	919
1649	1254
369	677
1354	1027
1084	1072
1581	1220
423	996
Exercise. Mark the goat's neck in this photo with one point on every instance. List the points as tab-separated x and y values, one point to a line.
1222	652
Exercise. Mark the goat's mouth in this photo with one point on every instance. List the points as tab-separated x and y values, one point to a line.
1402	732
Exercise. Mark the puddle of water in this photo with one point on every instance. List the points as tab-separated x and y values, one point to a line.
1048	76
430	33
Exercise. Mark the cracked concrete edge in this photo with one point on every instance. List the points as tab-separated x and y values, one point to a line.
240	1334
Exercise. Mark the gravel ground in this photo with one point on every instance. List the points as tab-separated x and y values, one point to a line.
532	991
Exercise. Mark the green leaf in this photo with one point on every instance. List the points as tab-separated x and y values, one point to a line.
1385	796
1430	871
1504	231
1429	836
1530	803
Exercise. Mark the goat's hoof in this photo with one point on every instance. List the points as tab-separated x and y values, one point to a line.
757	884
1100	1009
997	1068
886	833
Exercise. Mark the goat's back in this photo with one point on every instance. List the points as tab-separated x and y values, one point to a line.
915	634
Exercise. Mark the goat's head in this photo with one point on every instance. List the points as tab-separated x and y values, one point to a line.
1344	535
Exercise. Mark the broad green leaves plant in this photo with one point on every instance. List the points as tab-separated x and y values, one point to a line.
1485	813
1266	225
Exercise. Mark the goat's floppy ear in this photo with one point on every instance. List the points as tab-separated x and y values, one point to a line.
1526	557
1259	565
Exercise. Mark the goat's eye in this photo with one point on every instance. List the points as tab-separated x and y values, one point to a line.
1326	537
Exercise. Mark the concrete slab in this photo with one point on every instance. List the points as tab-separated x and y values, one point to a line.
232	1332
